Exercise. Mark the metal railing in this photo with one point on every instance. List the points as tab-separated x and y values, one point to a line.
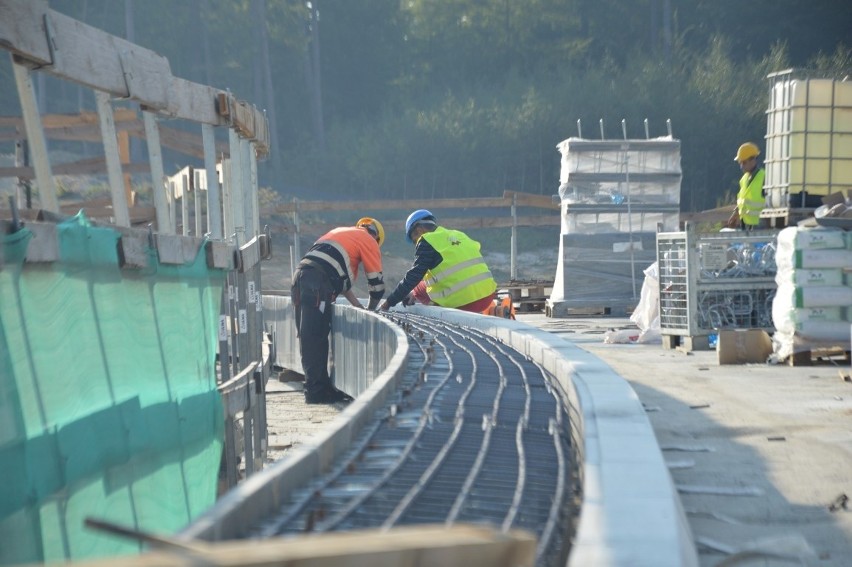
370	355
362	343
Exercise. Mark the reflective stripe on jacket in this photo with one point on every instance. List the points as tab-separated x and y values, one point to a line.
339	252
750	198
463	277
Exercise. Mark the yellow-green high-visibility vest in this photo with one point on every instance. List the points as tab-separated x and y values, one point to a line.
462	277
750	197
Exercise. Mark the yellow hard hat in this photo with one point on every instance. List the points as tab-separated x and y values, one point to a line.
374	227
747	151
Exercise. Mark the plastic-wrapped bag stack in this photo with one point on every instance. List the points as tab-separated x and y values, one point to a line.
647	312
813	305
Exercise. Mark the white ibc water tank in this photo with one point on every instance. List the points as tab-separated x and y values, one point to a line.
808	136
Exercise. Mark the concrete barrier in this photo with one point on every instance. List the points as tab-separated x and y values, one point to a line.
360	351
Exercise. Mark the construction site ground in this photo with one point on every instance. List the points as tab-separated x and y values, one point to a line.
761	454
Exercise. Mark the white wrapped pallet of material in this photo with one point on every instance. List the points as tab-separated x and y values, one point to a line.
812	248
812	277
812	305
813	296
617	172
614	194
819	238
817	259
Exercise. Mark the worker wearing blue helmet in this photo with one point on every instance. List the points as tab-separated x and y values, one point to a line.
448	268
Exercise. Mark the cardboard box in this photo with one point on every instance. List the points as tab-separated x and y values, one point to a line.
743	346
837	198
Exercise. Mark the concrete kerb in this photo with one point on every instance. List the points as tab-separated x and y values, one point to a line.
631	514
267	490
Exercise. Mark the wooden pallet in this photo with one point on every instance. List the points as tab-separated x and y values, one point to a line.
528	305
816	356
784	217
686	343
528	296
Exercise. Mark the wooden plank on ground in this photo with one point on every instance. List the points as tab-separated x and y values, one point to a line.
457	546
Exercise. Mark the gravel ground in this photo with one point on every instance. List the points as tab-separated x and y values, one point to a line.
289	419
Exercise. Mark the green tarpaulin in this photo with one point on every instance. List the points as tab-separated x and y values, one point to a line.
108	400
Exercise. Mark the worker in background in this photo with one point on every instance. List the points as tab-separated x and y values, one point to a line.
751	197
328	269
448	269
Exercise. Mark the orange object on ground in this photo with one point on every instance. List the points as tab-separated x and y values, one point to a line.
504	308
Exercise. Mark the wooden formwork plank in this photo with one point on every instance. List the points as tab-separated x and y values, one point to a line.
22	29
176	248
133	248
74	51
457	546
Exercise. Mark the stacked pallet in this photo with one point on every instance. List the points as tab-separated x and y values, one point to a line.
812	309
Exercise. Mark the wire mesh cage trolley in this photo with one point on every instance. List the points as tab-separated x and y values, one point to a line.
708	282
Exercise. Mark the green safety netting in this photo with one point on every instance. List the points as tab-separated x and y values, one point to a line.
108	399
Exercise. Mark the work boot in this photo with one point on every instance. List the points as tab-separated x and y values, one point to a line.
327	396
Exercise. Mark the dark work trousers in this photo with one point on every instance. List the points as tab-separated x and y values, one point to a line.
313	297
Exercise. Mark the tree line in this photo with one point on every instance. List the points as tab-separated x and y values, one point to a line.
420	99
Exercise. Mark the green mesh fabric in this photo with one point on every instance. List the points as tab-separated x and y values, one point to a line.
108	400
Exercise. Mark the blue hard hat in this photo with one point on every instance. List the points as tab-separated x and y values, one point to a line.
417	216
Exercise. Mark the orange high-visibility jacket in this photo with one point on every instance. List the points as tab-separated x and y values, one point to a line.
341	250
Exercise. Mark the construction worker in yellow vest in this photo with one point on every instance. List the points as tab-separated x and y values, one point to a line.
448	268
750	198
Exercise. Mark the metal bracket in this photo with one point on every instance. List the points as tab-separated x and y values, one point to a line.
265	242
50	35
125	74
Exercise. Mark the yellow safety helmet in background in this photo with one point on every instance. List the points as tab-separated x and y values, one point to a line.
747	151
374	227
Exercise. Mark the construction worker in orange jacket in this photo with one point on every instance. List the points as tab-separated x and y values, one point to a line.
327	270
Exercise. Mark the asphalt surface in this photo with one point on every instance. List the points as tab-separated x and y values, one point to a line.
761	454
